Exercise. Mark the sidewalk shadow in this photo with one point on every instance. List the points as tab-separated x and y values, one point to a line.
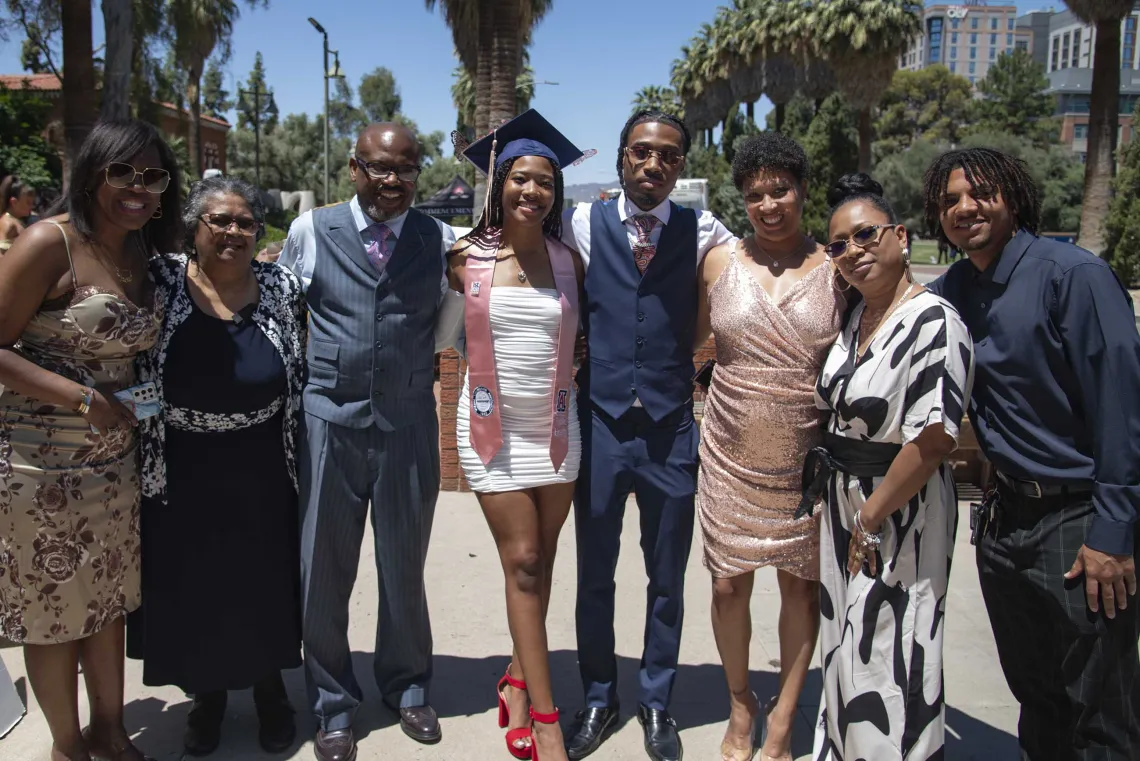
969	739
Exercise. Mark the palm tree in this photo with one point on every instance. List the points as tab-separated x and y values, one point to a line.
79	80
199	27
1106	16
118	29
657	98
463	92
490	36
863	40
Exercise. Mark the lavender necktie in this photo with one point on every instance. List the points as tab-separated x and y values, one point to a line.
380	249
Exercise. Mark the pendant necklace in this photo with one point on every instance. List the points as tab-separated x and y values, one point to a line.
778	263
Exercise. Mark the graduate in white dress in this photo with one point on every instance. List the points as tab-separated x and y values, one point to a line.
517	288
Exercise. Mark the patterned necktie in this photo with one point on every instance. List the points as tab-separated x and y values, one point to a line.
643	249
380	249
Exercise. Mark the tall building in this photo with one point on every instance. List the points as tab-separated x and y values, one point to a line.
966	38
1071	42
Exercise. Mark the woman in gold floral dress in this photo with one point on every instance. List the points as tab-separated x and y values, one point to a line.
75	308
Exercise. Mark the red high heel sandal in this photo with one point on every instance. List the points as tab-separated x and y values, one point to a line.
541	718
519	734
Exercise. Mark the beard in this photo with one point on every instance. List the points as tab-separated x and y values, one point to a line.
377	214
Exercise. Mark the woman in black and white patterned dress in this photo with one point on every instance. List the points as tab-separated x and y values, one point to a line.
893	389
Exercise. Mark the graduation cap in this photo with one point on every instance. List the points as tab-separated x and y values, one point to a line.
528	134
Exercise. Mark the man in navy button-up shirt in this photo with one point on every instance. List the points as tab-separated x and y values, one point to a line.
1056	409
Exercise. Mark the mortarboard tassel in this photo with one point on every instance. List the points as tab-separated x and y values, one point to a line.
490	174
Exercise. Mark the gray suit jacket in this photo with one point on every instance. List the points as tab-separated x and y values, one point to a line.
371	338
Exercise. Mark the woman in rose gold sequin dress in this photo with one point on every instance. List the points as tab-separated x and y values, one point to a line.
770	302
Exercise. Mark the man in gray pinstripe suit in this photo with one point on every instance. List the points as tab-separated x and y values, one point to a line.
374	275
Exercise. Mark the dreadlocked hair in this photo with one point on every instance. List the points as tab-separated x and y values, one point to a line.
987	170
490	228
646	116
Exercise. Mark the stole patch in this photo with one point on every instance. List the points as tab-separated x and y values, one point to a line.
475	288
482	401
562	395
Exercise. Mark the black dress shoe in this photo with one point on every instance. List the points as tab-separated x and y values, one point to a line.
421	724
594	725
662	742
277	729
204	723
335	746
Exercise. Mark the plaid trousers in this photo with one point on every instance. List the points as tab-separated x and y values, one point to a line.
1076	674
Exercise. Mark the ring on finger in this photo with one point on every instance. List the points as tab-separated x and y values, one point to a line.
860	556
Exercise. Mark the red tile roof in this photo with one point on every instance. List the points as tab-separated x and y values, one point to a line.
43	82
51	83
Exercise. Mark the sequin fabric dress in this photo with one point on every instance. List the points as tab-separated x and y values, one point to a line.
760	420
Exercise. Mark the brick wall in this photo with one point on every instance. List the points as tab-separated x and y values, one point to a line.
451	371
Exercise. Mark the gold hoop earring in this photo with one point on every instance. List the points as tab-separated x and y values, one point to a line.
835	271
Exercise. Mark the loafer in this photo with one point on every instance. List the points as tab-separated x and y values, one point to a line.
277	729
421	724
662	742
204	723
594	725
339	745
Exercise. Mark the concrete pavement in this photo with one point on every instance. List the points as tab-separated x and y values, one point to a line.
471	642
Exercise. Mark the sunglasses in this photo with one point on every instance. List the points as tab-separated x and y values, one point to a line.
861	238
120	175
640	154
221	223
378	171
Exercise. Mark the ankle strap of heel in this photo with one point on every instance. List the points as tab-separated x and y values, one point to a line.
544	718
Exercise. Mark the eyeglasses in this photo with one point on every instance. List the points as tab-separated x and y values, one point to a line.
120	175
221	223
640	154
378	171
861	238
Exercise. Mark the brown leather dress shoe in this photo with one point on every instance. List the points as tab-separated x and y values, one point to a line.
335	746
421	724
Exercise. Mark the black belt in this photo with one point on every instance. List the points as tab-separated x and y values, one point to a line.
1037	490
863	459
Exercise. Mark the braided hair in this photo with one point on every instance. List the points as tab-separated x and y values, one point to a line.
646	116
490	228
985	169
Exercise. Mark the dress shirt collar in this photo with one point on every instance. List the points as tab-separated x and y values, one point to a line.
363	221
627	209
1001	268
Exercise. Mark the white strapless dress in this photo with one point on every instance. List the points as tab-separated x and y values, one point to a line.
524	332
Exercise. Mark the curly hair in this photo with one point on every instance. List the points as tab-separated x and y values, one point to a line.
769	151
490	228
202	191
647	116
988	170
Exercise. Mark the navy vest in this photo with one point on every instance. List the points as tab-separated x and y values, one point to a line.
640	328
371	338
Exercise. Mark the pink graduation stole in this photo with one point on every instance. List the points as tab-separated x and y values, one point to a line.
486	426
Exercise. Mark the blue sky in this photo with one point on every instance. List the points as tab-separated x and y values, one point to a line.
600	52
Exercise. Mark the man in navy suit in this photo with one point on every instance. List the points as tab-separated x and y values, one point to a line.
638	434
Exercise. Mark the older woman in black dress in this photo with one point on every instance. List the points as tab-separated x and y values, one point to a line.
221	591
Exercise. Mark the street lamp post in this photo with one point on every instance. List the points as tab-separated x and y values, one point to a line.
325	35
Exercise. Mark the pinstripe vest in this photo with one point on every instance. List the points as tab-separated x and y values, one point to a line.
371	338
